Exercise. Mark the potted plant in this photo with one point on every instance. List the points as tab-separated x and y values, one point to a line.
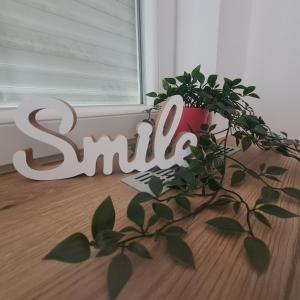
195	189
193	89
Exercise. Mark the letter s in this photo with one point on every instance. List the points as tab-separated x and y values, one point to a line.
25	119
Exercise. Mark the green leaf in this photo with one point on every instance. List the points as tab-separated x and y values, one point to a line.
197	153
136	213
236	207
142	197
175	231
246	143
186	175
221	202
152	94
104	217
163	211
129	229
165	84
180	252
119	272
205	141
107	250
196	71
237	177
212	79
249	90
171	80
181	78
273	170
234	96
212	127
156	186
183	202
107	238
272	178
227	225
204	127
139	249
73	249
253	95
277	211
237	81
152	221
260	217
213	184
200	77
292	192
258	254
269	195
260	130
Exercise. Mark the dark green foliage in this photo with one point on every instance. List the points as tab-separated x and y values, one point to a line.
227	225
174	231
104	217
156	186
268	195
292	192
221	202
136	213
213	184
260	217
246	143
107	250
142	197
139	250
129	229
258	254
163	211
73	249
180	251
119	272
237	177
273	170
183	202
108	238
277	211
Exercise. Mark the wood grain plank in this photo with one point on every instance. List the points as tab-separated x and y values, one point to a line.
46	212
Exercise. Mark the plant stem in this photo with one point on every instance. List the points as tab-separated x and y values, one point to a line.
247	207
258	175
196	211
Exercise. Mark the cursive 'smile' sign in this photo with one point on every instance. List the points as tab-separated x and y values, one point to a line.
71	166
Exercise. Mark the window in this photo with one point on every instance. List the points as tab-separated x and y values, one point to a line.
86	52
83	51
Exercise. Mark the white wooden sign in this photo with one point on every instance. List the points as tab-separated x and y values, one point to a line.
71	166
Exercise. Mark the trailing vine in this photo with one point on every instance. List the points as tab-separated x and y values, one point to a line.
194	189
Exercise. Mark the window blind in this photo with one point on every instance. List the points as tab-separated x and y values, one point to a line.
81	51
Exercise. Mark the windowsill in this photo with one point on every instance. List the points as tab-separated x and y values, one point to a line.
7	115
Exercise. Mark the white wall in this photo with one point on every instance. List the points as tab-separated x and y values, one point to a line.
273	62
260	42
197	35
166	37
233	37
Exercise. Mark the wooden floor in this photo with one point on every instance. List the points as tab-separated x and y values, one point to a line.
35	216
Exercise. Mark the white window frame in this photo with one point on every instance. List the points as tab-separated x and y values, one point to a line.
94	119
147	48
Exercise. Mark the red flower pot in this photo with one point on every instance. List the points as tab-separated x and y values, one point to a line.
192	119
